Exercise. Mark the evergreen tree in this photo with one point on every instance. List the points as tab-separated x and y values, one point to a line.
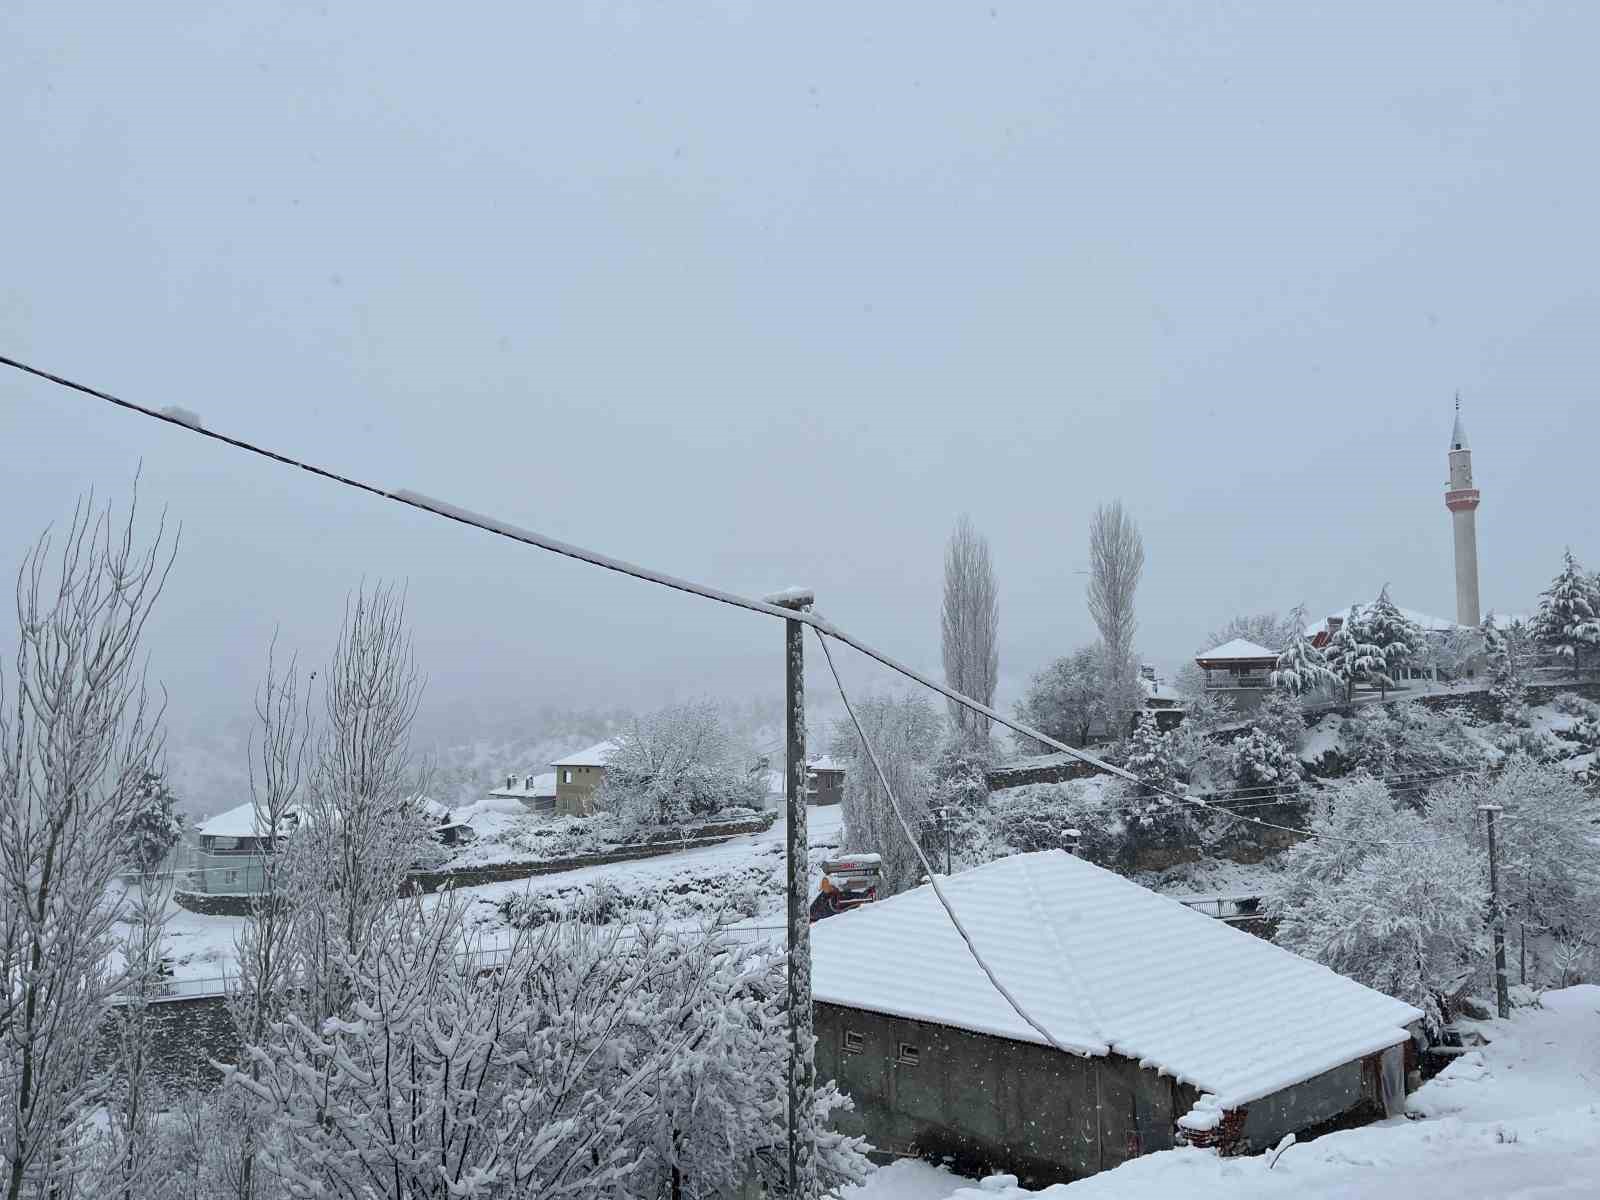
1353	657
1398	638
1503	661
1269	755
1302	667
1153	759
155	828
1568	618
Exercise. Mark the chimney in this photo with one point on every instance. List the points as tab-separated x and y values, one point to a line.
511	782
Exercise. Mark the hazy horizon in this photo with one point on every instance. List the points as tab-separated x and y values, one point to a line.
769	296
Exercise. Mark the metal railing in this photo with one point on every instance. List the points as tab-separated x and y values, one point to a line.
1242	907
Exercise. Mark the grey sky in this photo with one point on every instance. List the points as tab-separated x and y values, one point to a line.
765	294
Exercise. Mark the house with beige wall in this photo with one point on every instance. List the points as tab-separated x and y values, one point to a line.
579	776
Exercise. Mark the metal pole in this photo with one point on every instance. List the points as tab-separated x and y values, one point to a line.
1501	999
802	1065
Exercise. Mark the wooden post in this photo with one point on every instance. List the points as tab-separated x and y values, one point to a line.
1501	998
802	1064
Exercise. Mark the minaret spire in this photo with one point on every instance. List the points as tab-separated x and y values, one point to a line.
1461	498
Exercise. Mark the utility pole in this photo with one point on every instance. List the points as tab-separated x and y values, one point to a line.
1501	999
802	1066
944	829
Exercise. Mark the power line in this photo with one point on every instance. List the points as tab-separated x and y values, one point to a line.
418	500
927	868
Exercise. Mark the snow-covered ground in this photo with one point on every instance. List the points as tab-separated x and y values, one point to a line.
202	947
1516	1120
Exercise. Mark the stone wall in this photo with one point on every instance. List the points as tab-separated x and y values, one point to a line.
186	1036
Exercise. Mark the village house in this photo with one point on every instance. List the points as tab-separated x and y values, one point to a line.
225	859
1169	1023
537	793
824	781
579	776
1240	671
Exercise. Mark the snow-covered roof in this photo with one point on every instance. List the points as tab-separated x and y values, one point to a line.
1154	689
1238	648
1429	624
239	822
826	763
1106	966
596	755
528	787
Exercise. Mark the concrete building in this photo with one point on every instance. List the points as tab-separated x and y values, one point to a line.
1461	498
579	776
1149	1020
226	856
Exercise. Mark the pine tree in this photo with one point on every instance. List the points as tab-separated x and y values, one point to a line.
1153	759
155	828
1568	618
1269	755
1398	638
1302	667
1353	657
1503	660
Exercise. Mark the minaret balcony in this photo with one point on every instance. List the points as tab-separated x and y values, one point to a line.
1461	499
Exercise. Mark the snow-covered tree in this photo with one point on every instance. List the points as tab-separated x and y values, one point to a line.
1567	621
265	946
1302	668
1398	638
1549	872
1504	662
156	826
76	738
1153	760
1065	700
677	766
1353	657
583	1064
1268	756
957	800
1200	756
1379	895
905	732
970	627
360	825
1116	562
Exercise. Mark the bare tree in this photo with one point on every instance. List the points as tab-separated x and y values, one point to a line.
265	947
905	732
361	822
1116	561
970	623
75	742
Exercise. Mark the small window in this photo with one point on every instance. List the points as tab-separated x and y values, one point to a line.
907	1055
566	775
854	1042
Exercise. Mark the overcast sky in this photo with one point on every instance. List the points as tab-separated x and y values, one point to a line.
769	294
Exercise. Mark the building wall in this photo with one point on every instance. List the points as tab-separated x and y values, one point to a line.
575	789
992	1104
827	787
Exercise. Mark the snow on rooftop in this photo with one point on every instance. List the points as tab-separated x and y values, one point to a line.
528	787
1239	648
1105	964
239	822
596	755
826	763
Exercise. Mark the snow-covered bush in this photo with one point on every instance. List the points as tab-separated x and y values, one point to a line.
1201	757
1406	739
718	897
958	801
1036	816
155	828
1152	759
583	1064
677	766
